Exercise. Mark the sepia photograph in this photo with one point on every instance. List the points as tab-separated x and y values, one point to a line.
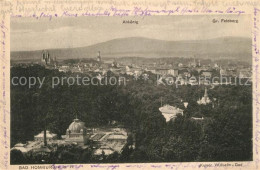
131	89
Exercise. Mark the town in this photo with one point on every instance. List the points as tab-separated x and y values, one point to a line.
192	71
175	88
115	138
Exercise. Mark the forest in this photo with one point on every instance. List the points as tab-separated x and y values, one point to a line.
225	134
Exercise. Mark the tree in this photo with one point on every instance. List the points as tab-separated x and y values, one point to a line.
17	157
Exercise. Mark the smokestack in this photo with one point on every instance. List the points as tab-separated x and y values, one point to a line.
44	134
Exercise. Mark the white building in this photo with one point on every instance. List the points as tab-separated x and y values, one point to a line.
21	147
170	112
49	136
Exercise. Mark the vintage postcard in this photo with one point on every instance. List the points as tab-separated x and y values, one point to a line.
129	84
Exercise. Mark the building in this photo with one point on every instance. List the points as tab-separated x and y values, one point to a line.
151	69
49	136
184	72
223	72
45	57
99	57
104	140
162	71
109	140
207	74
180	65
173	72
47	60
21	147
170	112
205	99
193	64
106	150
245	74
116	141
77	133
197	118
64	69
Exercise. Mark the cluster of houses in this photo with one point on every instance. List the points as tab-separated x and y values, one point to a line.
192	71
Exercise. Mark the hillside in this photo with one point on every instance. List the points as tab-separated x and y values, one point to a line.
225	47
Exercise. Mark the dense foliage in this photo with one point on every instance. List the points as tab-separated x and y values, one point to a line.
225	134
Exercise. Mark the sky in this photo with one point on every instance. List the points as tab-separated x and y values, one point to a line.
28	34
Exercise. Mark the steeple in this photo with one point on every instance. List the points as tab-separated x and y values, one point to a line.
99	57
205	99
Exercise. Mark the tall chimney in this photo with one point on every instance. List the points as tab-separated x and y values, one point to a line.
44	134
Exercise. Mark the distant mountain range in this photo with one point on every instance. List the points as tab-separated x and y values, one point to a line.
219	48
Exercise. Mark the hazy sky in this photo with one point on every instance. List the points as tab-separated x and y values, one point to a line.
31	34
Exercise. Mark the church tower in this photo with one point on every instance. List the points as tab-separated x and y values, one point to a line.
205	99
46	59
99	57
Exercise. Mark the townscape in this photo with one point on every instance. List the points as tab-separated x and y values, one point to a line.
114	137
186	71
168	89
